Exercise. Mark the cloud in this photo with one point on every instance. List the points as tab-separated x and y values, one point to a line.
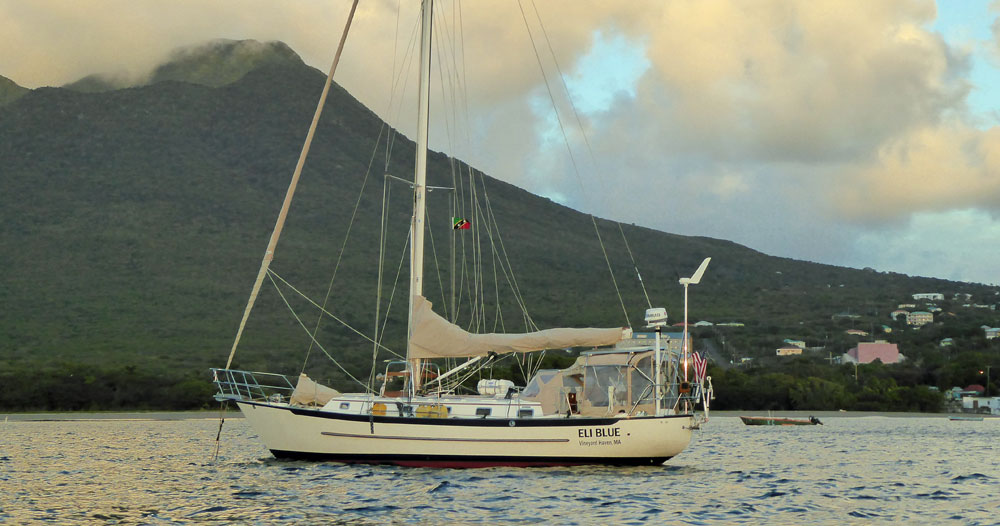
793	127
927	169
53	42
858	111
794	81
954	245
995	7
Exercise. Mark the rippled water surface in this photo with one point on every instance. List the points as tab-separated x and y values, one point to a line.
852	470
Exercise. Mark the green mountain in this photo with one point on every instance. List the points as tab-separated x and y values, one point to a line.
214	64
223	62
135	220
10	91
100	82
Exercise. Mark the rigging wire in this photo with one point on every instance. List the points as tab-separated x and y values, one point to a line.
395	283
459	67
343	246
287	203
477	267
271	275
378	285
635	266
437	264
572	159
396	76
510	276
586	141
566	140
469	270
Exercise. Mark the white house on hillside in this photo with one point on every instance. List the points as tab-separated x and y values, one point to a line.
919	318
933	296
788	350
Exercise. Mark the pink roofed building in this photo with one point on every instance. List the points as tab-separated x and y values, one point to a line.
869	352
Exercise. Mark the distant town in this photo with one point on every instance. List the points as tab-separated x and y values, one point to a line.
925	320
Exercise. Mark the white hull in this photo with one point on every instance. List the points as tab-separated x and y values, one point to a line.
291	432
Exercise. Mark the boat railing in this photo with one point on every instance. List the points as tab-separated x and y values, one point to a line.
251	386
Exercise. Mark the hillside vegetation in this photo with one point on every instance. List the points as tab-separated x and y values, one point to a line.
135	219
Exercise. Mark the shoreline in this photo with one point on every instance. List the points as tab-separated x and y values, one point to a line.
840	414
65	416
83	416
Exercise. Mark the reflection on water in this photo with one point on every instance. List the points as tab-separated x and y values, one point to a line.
849	471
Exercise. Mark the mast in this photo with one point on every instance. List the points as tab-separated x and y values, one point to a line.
419	185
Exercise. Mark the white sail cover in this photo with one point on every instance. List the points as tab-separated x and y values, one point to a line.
434	337
309	392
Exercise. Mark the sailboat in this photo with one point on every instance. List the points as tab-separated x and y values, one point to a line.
625	401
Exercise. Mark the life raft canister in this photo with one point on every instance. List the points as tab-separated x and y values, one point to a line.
432	411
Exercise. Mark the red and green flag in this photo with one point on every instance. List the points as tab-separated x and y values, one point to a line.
459	223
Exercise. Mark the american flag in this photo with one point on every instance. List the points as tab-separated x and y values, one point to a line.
700	366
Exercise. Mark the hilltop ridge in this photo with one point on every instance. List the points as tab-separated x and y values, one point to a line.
212	64
10	91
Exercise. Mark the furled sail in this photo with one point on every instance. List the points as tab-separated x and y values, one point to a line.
435	337
309	392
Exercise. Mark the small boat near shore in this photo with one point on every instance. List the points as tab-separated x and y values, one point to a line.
779	421
965	418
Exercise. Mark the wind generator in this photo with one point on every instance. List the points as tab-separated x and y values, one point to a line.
693	280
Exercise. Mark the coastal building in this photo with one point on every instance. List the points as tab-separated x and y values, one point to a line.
856	332
973	390
897	313
946	342
788	350
981	404
933	296
796	343
868	352
991	332
919	318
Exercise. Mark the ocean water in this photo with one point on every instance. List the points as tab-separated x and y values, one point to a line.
852	470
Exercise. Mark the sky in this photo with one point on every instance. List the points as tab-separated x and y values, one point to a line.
846	132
